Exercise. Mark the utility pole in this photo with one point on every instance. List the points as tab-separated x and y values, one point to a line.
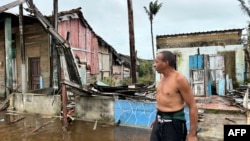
132	42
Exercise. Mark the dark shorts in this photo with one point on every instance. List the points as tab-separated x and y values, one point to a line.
168	129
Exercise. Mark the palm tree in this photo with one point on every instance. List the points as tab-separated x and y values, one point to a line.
244	7
152	10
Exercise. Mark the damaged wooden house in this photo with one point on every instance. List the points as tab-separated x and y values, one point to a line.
36	58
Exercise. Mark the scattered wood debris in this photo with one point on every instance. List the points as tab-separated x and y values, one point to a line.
43	125
16	120
230	120
4	105
95	125
236	97
201	115
137	92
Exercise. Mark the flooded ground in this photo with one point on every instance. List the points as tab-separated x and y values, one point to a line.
26	127
17	127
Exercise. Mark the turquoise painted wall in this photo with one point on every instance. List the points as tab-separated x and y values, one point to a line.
138	114
134	113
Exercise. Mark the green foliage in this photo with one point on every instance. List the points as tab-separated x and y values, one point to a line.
247	81
109	81
146	80
126	81
145	69
146	73
215	111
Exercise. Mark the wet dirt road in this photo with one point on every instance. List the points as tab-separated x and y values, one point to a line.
36	128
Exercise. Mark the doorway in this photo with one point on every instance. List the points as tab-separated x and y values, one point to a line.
34	73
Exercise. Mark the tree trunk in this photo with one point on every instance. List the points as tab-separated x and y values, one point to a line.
152	38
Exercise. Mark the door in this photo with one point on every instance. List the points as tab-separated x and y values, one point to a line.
197	75
34	71
217	67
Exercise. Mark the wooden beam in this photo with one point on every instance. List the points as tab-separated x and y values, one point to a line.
64	102
11	5
8	54
47	25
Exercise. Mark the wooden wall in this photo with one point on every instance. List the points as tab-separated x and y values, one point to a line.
2	64
82	40
36	45
104	62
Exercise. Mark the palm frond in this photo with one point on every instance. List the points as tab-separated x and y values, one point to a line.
154	7
244	7
146	10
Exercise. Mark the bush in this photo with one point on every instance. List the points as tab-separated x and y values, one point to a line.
109	81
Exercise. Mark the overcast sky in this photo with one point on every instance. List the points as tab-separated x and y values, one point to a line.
109	19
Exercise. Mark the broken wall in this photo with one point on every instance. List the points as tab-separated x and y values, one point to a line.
94	108
183	54
37	104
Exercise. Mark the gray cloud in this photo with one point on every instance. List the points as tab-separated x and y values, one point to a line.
109	19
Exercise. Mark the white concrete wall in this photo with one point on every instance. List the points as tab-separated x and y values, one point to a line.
92	108
37	103
184	53
240	65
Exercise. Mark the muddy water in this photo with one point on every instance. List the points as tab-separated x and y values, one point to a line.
20	127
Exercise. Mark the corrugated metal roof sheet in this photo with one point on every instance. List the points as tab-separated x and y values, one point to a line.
197	33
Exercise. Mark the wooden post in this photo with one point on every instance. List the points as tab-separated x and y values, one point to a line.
132	42
8	52
64	100
54	64
23	69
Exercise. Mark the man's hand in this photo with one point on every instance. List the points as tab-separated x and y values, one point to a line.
192	137
152	124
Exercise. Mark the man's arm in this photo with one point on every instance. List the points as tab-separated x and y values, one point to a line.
187	94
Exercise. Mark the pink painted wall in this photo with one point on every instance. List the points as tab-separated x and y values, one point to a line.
83	42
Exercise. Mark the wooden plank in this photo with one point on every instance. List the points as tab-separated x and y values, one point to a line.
43	125
8	52
11	5
2	106
16	120
48	26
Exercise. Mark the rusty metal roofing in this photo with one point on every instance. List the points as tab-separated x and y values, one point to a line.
86	24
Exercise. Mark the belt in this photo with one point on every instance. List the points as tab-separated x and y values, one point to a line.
161	120
172	115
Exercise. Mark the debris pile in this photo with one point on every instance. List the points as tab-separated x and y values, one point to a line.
239	97
136	91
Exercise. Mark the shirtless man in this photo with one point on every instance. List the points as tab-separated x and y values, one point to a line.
172	94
